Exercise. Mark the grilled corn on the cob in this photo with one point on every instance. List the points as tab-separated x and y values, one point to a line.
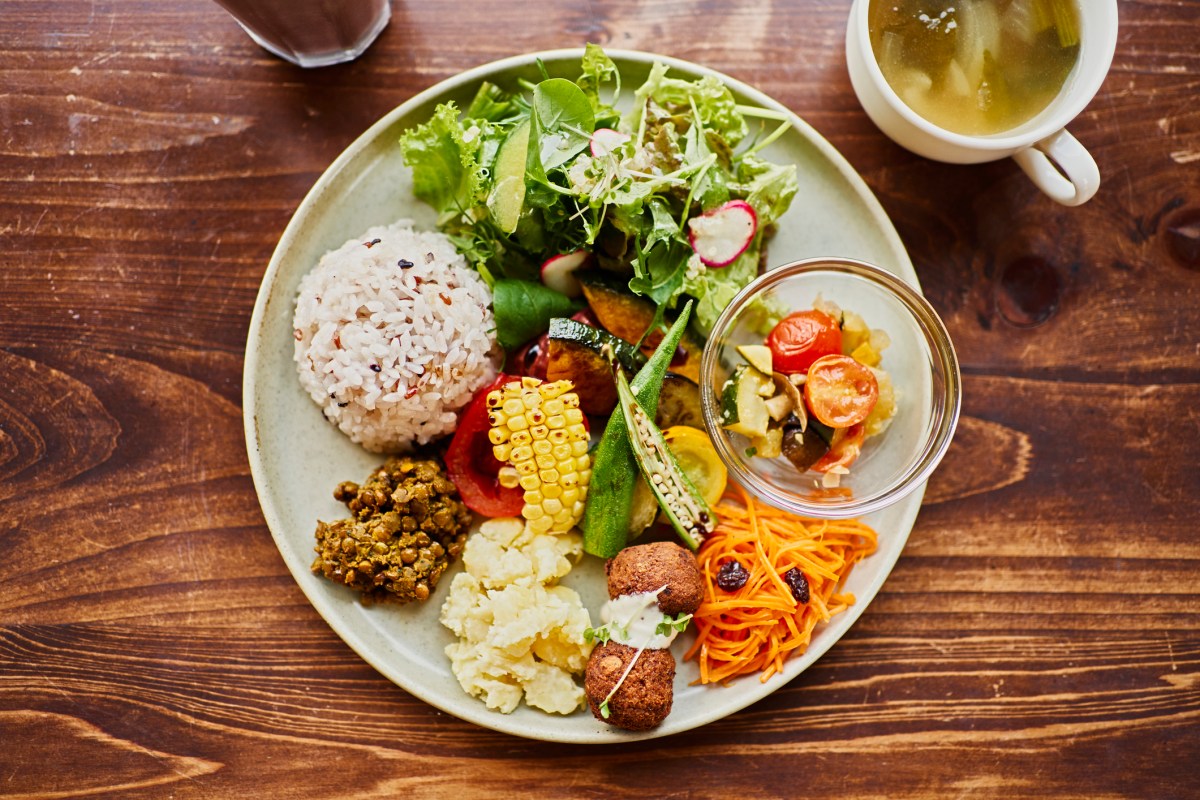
538	428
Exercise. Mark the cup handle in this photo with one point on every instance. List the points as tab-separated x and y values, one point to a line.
1061	167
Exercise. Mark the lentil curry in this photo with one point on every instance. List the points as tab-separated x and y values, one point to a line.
407	526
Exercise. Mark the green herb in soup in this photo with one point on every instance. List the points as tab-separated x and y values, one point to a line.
976	67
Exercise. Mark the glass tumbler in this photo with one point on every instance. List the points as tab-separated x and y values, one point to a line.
311	33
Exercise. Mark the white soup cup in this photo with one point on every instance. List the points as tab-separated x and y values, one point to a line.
1052	158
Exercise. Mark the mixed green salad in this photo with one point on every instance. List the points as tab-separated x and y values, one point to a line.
536	183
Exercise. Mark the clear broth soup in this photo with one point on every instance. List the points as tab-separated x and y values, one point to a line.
975	67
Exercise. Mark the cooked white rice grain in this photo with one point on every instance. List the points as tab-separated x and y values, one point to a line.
394	334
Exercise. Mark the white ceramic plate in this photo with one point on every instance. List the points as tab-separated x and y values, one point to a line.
297	458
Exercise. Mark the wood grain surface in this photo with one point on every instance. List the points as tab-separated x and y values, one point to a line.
1040	636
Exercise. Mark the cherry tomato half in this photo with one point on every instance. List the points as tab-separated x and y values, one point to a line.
840	391
801	338
846	447
473	468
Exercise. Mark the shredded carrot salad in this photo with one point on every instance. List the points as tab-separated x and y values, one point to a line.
759	626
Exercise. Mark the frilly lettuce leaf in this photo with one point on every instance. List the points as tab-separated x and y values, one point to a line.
711	98
444	158
766	186
599	69
714	288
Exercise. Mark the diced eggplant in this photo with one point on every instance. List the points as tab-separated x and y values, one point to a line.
804	447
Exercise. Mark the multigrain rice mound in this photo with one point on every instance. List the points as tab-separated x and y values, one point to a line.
394	334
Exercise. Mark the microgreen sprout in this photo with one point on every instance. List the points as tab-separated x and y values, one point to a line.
677	624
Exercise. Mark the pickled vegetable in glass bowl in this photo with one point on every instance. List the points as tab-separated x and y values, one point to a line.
918	399
813	393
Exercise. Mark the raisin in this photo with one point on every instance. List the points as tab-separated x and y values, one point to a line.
796	581
732	576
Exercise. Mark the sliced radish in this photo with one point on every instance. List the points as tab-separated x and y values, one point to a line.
605	141
559	272
723	234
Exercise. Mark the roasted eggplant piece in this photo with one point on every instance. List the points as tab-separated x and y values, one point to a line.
804	445
679	403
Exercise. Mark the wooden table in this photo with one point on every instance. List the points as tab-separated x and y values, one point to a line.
1039	637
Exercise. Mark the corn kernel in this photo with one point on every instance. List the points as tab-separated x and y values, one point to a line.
508	477
571	400
544	462
551	491
573	416
542	447
556	422
542	524
579	448
549	476
568	480
558	436
530	482
578	508
553	407
520	439
539	431
532	513
576	431
534	498
501	451
526	468
530	398
513	407
498	435
569	496
552	506
518	423
522	453
550	391
585	477
562	451
495	399
563	519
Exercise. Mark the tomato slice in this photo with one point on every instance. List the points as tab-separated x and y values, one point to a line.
473	468
839	391
846	447
801	338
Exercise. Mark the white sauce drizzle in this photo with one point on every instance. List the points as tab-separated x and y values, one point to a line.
633	619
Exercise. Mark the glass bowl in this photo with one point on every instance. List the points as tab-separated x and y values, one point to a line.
920	360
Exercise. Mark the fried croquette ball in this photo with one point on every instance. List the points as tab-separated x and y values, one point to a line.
644	699
648	567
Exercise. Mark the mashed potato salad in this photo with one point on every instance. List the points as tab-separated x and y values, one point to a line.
519	631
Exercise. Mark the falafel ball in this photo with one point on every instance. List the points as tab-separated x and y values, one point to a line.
644	699
648	567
